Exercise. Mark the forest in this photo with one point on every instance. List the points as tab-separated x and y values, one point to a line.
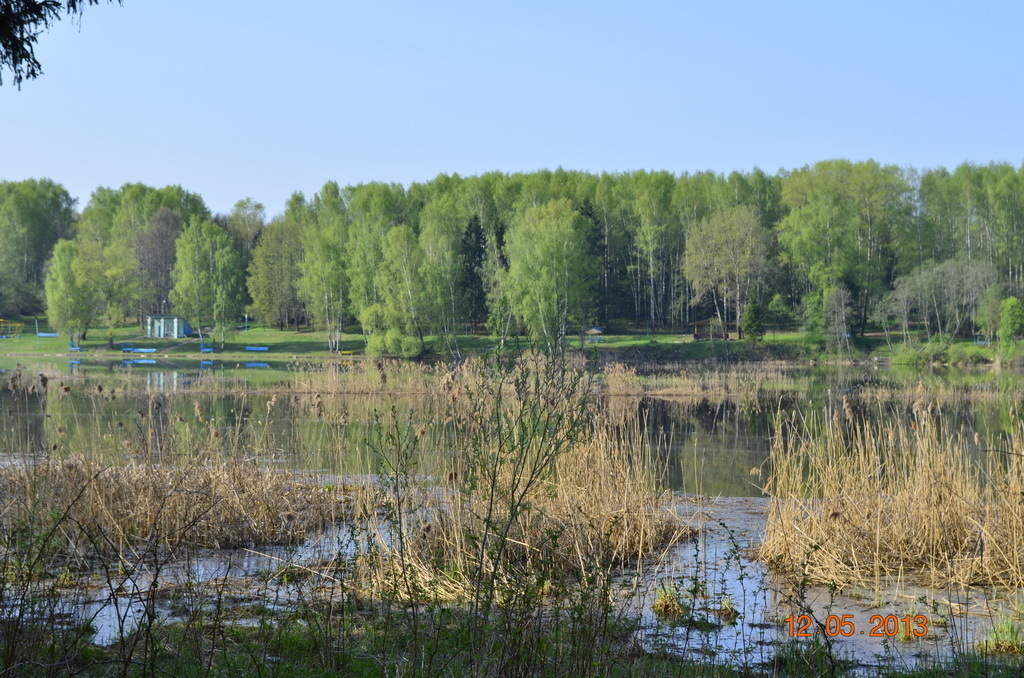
838	247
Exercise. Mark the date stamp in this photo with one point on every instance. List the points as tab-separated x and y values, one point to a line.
882	626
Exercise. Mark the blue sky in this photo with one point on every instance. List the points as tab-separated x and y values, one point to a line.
252	98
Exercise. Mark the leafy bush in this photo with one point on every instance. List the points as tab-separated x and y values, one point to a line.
377	345
410	347
969	354
393	342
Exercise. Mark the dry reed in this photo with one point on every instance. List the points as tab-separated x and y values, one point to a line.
531	488
860	502
100	510
939	393
601	508
621	379
377	376
744	383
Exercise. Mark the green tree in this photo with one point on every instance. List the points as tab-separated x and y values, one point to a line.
841	223
148	221
208	277
122	214
652	206
373	210
778	312
112	274
396	322
322	283
71	301
1011	320
550	273
725	256
1008	207
443	224
490	198
836	316
753	320
245	223
989	308
34	215
154	249
274	271
695	199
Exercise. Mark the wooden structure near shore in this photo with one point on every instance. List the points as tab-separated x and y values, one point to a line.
10	329
707	330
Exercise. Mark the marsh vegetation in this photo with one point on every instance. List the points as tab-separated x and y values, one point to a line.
511	515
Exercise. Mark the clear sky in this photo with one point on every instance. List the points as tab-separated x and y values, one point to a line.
253	98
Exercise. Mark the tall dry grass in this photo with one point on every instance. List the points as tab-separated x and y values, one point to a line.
938	393
366	377
532	487
856	502
742	383
488	537
96	510
620	379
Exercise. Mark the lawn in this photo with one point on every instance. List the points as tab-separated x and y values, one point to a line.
627	346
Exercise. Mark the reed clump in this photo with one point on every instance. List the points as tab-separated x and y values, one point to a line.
93	510
360	377
532	491
620	379
940	393
856	502
735	383
595	511
609	497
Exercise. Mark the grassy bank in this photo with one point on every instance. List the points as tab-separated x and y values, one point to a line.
628	347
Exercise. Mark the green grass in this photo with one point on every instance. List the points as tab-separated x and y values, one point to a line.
345	640
315	644
623	346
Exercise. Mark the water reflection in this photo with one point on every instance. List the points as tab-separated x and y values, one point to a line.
717	445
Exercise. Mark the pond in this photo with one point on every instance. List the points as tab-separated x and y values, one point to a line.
708	434
716	444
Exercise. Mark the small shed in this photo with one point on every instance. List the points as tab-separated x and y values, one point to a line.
167	327
705	330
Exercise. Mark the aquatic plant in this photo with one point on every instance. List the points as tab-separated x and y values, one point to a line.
855	501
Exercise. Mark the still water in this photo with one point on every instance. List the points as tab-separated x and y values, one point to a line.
715	444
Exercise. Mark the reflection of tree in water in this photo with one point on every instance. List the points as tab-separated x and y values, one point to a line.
709	447
620	410
23	399
698	445
157	425
723	417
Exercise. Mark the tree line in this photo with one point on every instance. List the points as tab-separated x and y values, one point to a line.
837	246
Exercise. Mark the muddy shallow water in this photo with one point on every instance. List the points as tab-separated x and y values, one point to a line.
715	570
721	565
